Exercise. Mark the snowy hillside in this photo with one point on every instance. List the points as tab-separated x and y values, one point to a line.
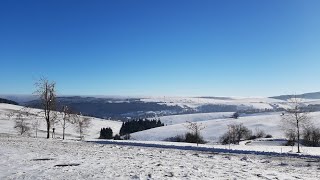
178	119
241	103
40	158
7	125
115	107
215	128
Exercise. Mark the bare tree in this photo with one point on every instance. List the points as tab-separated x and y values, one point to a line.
10	115
259	133
35	125
236	132
195	129
311	136
295	118
81	124
46	92
66	120
242	132
54	120
21	122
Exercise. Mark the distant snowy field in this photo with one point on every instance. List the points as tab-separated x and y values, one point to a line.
178	119
215	128
244	103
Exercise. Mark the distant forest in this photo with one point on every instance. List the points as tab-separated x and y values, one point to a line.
110	108
8	101
139	125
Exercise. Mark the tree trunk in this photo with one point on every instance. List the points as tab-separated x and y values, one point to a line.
63	132
48	129
298	133
80	129
298	136
197	136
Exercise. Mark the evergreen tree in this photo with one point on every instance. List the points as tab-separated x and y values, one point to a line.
106	133
139	125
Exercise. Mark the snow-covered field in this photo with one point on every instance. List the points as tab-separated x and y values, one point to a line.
178	119
215	128
30	158
241	103
147	156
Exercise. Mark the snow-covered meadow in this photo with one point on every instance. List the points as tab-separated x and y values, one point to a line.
147	156
30	158
241	102
215	127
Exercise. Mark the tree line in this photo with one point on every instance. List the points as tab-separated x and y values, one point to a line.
139	125
8	101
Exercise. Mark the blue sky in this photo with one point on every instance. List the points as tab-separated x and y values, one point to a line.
167	47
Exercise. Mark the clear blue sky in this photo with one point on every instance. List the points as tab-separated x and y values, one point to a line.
161	47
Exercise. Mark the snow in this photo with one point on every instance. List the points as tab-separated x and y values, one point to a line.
21	158
194	102
92	133
178	119
147	156
270	123
312	101
262	149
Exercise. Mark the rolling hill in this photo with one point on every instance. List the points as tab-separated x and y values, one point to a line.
7	124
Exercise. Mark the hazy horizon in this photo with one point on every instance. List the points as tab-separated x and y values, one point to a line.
146	96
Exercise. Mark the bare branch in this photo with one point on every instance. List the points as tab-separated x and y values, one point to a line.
45	90
295	118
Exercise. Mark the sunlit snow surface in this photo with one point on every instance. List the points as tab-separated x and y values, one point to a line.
97	161
92	133
147	156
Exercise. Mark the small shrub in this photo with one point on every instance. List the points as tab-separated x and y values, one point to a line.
21	124
260	133
290	143
311	137
252	137
225	139
193	138
268	136
127	137
235	115
117	137
291	136
235	134
188	137
177	138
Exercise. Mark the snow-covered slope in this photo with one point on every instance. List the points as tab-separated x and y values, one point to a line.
7	125
135	107
40	158
178	119
270	123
